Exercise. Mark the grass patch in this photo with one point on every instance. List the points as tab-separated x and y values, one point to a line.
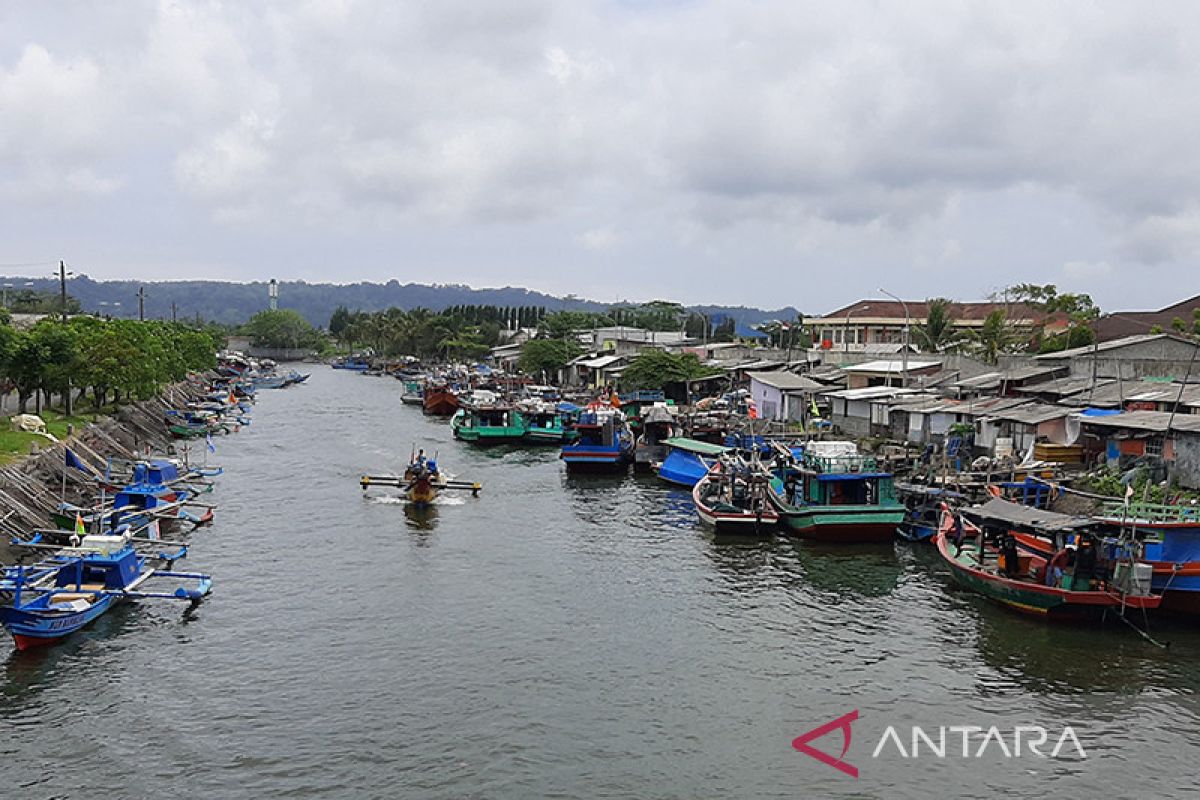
15	445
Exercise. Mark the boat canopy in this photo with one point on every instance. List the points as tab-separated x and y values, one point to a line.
695	446
1017	515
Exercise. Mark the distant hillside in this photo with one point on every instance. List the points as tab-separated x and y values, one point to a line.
234	303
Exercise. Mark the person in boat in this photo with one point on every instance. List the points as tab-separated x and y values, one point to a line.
789	488
1062	561
1085	565
1012	560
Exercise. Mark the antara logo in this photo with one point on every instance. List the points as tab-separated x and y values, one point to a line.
974	742
843	723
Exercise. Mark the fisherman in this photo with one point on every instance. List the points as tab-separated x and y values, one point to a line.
1012	560
1085	565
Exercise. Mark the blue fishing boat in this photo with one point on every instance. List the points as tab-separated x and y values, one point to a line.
688	460
152	494
923	510
52	600
352	363
605	441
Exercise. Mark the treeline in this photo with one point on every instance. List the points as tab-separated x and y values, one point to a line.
464	333
107	360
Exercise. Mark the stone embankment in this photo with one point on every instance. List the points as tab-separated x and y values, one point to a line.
32	487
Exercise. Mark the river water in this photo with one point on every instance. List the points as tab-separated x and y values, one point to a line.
559	637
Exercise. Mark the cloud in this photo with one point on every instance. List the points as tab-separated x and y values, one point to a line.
599	239
845	135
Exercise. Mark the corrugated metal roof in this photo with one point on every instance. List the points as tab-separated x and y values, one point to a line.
1113	344
1155	421
890	366
869	392
785	381
1030	413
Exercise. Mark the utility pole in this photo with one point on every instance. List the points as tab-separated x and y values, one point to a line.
904	354
174	311
62	285
141	296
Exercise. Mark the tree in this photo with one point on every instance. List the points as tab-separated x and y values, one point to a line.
282	327
938	332
654	369
725	330
564	323
338	321
994	337
547	356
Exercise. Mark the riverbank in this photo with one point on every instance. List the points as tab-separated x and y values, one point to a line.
32	485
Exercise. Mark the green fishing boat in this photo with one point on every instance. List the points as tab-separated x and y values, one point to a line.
489	425
545	425
834	494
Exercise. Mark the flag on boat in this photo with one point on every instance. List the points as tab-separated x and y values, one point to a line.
212	448
153	531
80	529
74	461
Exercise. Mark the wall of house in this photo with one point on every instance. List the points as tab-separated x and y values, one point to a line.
1187	460
1054	430
853	417
769	399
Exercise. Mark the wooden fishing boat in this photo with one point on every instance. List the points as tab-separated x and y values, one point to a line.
834	494
413	393
688	460
352	363
439	400
922	510
545	424
658	425
731	499
52	600
1032	584
1166	538
421	482
605	442
484	425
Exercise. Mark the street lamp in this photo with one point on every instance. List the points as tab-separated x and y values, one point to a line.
846	330
904	354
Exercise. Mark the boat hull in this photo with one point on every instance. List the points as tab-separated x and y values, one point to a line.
1048	602
36	628
440	403
844	524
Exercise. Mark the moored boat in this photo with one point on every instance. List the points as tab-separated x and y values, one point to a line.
545	424
990	563
658	425
53	600
413	393
832	493
605	442
495	424
688	460
439	400
731	498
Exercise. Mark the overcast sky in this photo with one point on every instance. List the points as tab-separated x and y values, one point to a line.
764	153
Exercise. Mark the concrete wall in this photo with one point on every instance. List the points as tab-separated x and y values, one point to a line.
1156	359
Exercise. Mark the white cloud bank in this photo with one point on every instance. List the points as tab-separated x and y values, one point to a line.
820	148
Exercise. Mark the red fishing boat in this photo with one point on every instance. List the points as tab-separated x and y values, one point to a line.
985	558
440	401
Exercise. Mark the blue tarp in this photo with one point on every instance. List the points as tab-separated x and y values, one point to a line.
1100	412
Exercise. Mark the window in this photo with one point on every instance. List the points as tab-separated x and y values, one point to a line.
1154	446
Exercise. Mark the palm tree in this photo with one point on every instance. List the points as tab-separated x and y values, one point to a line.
938	332
994	337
